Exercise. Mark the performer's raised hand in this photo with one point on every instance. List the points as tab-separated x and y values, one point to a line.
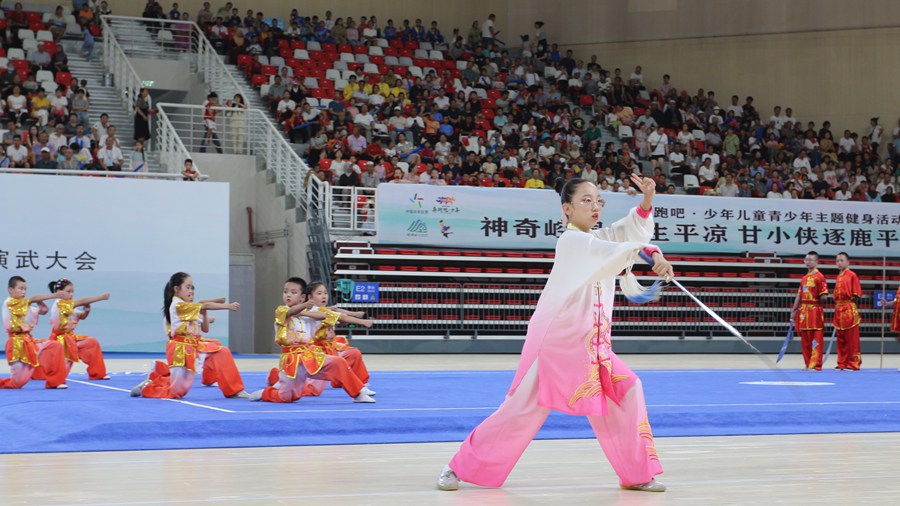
648	188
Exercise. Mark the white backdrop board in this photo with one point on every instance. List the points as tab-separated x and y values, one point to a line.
120	236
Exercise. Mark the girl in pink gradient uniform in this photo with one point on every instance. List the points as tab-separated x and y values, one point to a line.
567	362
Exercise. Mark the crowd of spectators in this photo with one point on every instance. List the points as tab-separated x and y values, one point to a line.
526	117
45	109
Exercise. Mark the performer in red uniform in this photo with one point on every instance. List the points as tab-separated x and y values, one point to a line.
847	292
807	314
895	316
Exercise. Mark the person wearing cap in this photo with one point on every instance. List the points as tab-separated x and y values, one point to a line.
45	160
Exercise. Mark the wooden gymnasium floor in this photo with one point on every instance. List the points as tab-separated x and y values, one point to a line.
772	470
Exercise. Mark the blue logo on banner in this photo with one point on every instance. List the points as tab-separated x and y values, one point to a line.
881	297
417	227
365	292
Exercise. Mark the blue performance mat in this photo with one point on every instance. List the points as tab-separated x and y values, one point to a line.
429	406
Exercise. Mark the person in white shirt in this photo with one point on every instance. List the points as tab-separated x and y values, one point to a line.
487	31
802	162
110	133
875	132
846	146
658	143
58	139
110	156
19	155
98	129
712	156
777	119
285	107
441	101
735	107
843	193
546	151
707	174
637	76
364	121
728	189
789	117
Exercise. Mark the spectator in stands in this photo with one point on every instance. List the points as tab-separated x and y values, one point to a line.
58	23
17	106
210	111
204	16
142	110
110	156
19	156
67	162
44	161
138	158
87	45
188	172
39	58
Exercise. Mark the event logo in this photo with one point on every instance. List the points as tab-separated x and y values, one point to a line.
445	205
445	229
417	228
416	205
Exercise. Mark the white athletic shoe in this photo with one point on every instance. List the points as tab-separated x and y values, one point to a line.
447	480
240	395
136	391
257	395
363	398
650	486
61	387
106	377
367	391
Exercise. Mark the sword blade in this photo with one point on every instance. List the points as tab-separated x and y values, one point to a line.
716	317
787	340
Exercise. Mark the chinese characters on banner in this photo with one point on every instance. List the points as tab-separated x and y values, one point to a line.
502	218
29	259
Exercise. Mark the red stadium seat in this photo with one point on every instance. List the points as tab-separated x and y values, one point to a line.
259	80
64	78
269	70
244	60
329	48
298	44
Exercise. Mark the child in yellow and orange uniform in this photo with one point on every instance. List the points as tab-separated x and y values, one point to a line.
186	321
24	353
301	360
325	337
64	317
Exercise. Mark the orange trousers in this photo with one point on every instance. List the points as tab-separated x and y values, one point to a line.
52	358
354	359
89	352
174	382
848	355
812	354
289	389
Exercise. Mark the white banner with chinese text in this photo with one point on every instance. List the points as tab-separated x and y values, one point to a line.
503	218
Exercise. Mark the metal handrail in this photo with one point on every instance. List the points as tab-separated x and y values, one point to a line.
116	62
101	173
264	138
172	151
254	135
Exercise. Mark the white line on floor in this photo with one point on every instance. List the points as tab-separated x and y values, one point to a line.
179	401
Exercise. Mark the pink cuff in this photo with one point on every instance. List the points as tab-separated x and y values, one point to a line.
650	250
642	213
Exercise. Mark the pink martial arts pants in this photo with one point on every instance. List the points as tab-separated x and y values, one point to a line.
491	451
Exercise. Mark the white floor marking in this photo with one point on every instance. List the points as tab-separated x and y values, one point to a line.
179	401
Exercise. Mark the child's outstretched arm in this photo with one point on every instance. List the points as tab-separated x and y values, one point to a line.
300	308
357	314
220	300
346	318
90	300
219	306
41	298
